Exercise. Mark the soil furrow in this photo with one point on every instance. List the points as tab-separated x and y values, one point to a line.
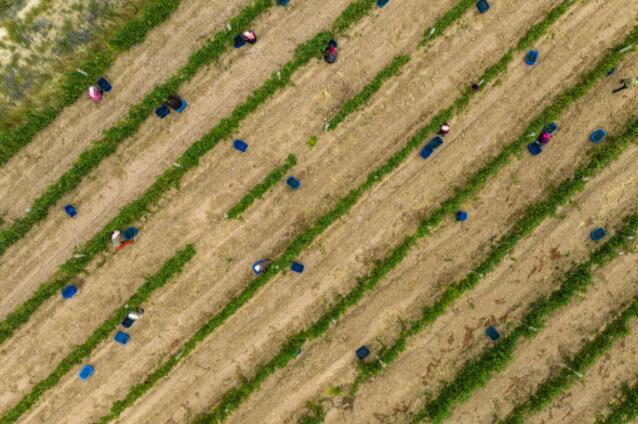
133	74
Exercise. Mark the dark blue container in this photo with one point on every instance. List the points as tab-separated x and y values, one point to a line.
162	111
104	85
534	148
182	107
597	136
492	333
550	128
531	57
121	337
482	6
69	291
461	216
293	183
282	2
86	372
70	210
598	234
130	233
362	353
297	267
240	145
238	42
127	322
382	3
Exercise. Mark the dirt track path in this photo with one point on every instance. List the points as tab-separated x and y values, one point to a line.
251	319
134	74
125	175
601	383
263	127
442	258
563	336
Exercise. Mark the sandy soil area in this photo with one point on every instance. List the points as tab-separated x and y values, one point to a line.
219	257
134	73
601	383
563	336
125	175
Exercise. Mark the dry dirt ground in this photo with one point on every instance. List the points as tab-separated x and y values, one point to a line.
168	328
134	74
101	296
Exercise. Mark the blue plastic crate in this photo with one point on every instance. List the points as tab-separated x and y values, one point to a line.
182	107
531	57
598	234
69	291
297	267
482	6
86	372
104	85
70	210
426	152
130	233
597	135
121	337
362	353
162	111
461	216
240	145
127	322
382	3
492	333
282	2
435	142
293	183
238	41
551	128
534	148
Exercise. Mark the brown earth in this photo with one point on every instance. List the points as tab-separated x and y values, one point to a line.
133	74
562	337
126	174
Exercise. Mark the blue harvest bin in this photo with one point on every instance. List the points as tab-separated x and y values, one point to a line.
492	333
297	267
426	152
435	142
597	136
282	2
531	57
86	372
70	210
127	322
182	107
362	353
598	234
121	337
162	111
293	183
482	6
534	148
69	291
461	216
104	85
551	128
382	3
130	233
240	145
238	42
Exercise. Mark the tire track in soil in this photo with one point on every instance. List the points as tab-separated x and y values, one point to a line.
401	38
600	384
206	362
134	73
141	159
332	361
562	337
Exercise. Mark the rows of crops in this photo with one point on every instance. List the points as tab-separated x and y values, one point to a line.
387	264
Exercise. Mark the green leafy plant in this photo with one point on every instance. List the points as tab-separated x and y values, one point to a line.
477	373
579	364
625	410
73	84
127	126
170	269
258	191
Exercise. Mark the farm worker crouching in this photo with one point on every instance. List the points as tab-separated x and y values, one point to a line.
627	83
330	54
135	314
249	36
445	128
95	94
115	238
261	266
544	138
174	101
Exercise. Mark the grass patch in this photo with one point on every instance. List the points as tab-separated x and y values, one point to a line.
128	125
478	372
73	84
579	364
260	189
170	269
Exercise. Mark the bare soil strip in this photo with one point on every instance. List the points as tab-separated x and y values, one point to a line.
337	359
195	188
134	73
125	175
328	277
601	383
563	337
216	267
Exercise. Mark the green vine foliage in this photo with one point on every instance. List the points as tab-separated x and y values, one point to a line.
170	269
625	410
73	84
